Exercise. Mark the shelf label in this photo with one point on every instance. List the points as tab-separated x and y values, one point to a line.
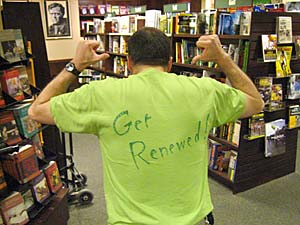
138	9
179	7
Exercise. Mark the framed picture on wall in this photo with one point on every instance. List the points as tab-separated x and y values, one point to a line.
57	15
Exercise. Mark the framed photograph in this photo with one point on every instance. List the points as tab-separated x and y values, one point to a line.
58	23
292	6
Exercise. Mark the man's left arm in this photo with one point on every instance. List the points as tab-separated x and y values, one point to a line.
85	56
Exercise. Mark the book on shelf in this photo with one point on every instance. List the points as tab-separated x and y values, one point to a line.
256	126
235	139
264	87
293	116
115	9
245	23
124	24
3	183
292	6
124	10
8	129
37	144
269	47
184	23
296	40
2	100
246	55
219	157
284	29
27	126
53	177
12	47
276	102
293	86
152	18
28	199
232	165
10	83
22	165
13	209
40	189
202	24
283	59
101	9
24	79
275	139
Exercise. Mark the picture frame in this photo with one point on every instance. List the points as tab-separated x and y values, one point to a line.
58	22
292	6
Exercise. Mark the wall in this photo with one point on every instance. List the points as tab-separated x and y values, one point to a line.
58	49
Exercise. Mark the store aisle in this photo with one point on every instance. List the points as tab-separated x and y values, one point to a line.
274	203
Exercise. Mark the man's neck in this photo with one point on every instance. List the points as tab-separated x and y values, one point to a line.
140	68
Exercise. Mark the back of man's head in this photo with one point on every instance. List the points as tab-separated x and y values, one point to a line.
149	46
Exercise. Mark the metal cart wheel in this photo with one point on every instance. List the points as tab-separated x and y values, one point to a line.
85	197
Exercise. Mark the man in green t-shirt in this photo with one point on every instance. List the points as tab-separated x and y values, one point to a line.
152	127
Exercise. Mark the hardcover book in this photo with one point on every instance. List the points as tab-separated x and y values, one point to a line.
245	23
8	129
283	59
264	86
37	144
10	83
275	139
284	29
28	200
296	40
53	177
27	126
40	189
12	46
13	210
21	165
276	98
269	47
293	87
2	101
232	164
294	116
256	126
24	80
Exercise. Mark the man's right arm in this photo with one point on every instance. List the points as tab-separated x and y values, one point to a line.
213	51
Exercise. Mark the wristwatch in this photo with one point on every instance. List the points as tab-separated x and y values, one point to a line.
70	67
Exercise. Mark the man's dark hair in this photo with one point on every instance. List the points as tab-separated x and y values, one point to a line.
149	46
55	4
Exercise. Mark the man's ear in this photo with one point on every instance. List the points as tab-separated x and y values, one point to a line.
129	64
170	63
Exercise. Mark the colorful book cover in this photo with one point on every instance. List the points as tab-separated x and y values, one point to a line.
293	87
53	177
296	40
256	126
28	200
284	29
245	23
294	116
24	80
40	189
283	59
27	126
10	83
276	98
22	164
38	147
275	139
12	46
264	86
8	129
13	209
269	47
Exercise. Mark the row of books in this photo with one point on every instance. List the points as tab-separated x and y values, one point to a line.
229	132
272	93
222	159
103	9
16	207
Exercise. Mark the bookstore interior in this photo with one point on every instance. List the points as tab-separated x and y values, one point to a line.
261	36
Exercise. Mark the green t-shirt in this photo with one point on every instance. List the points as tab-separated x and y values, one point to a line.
153	129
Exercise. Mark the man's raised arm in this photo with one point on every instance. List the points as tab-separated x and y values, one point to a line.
85	56
213	51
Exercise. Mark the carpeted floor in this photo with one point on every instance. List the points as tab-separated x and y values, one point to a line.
274	203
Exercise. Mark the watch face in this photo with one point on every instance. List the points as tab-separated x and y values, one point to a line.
70	67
